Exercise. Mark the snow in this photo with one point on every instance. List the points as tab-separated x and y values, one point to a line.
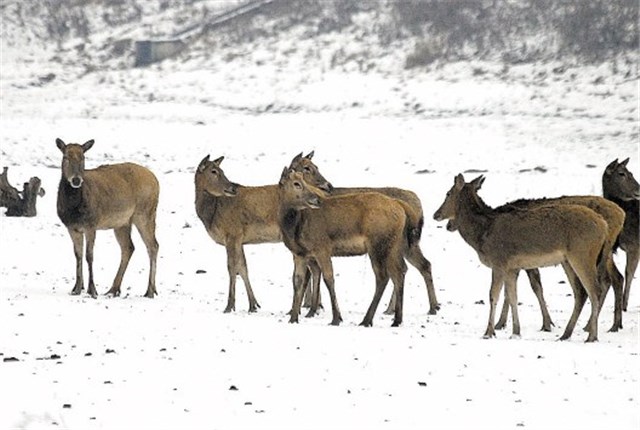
178	362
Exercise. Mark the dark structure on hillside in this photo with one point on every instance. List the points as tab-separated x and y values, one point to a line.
151	51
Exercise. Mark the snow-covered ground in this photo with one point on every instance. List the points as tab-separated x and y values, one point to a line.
178	362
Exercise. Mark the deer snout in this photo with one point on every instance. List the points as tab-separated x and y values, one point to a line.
326	187
231	190
313	202
438	216
76	182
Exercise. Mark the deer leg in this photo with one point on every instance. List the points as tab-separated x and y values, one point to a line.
511	294
77	237
391	307
580	297
397	277
91	240
244	274
614	278
504	313
147	229
308	289
497	279
415	257
617	281
314	269
382	278
232	264
588	275
536	286
326	267
299	272
633	255
123	236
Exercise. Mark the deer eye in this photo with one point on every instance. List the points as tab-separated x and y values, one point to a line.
307	169
214	172
297	185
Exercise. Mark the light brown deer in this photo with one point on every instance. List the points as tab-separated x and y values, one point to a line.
233	216
315	228
619	186
414	255
114	196
614	217
508	241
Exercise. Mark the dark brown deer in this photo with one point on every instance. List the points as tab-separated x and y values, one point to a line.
509	241
619	186
315	228
414	255
114	196
614	217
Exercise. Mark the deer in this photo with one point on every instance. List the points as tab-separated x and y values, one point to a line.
414	255
614	217
619	186
233	216
316	227
109	197
511	240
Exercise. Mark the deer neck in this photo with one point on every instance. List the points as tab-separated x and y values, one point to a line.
291	221
72	203
474	220
629	206
206	205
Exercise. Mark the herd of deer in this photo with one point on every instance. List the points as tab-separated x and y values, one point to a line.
317	221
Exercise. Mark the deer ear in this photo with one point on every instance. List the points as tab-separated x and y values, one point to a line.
309	156
87	145
611	167
296	158
459	181
203	164
624	163
218	160
283	176
477	182
60	144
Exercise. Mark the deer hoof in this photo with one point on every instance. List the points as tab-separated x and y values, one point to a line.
615	327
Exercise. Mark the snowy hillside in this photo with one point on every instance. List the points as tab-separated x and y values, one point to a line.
297	82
